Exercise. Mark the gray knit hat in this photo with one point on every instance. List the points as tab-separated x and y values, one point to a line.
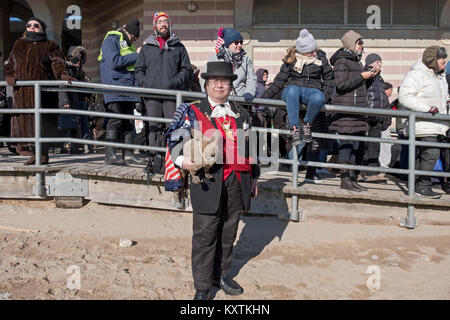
305	42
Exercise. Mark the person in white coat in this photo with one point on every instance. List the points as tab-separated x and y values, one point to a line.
425	89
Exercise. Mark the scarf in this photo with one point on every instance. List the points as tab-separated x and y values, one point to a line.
303	60
236	59
35	36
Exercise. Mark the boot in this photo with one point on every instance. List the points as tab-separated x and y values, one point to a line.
32	159
128	154
347	183
110	153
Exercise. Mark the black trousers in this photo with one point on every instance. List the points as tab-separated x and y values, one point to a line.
214	235
373	148
426	158
351	152
121	125
158	108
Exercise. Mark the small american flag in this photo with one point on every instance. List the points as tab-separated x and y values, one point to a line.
219	41
171	172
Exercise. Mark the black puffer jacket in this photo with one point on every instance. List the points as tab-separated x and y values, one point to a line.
351	91
377	99
166	68
312	76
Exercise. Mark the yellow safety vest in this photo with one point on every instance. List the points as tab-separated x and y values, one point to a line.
125	49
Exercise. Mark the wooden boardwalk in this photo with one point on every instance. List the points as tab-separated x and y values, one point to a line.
394	192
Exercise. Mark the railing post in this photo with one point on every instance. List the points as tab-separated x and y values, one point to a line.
179	99
294	215
410	221
40	190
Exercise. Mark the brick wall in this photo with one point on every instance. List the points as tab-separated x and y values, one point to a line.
97	21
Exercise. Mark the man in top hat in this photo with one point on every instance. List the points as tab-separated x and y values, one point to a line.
217	202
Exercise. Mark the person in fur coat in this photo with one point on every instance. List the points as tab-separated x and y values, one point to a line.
34	57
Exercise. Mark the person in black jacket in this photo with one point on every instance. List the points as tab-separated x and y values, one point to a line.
351	90
163	63
377	99
304	78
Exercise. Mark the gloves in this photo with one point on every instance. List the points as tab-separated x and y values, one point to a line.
139	107
10	81
433	110
248	97
68	78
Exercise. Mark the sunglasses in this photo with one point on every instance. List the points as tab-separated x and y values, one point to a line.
29	25
238	42
360	42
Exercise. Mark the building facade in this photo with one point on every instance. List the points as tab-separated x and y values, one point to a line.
398	30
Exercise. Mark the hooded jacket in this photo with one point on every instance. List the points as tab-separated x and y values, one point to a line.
422	88
113	68
166	68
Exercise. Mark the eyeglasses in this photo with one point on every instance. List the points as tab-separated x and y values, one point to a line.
360	42
159	22
216	81
29	25
237	42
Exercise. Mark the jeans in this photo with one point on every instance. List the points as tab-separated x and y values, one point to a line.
85	126
312	98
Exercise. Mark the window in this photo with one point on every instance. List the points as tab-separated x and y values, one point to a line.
346	12
276	12
322	12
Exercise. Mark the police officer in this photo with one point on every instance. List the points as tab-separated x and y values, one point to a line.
117	58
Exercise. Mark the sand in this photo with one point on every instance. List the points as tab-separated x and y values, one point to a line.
273	259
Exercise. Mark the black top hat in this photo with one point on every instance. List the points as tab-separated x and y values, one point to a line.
219	69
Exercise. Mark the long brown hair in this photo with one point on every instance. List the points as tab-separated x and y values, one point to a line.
290	58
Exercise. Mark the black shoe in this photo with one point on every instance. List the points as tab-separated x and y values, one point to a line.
296	136
307	137
427	193
347	184
229	286
360	187
202	295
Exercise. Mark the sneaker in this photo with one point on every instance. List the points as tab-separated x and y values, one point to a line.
307	137
427	193
296	136
313	179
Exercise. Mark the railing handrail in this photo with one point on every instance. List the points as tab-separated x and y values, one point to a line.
61	85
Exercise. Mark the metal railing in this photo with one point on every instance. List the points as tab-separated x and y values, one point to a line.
181	96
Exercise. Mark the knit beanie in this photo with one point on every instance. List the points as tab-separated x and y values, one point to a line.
132	27
371	58
158	15
430	58
349	39
230	35
305	42
42	23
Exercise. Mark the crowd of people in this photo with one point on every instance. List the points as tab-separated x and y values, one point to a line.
306	77
224	190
